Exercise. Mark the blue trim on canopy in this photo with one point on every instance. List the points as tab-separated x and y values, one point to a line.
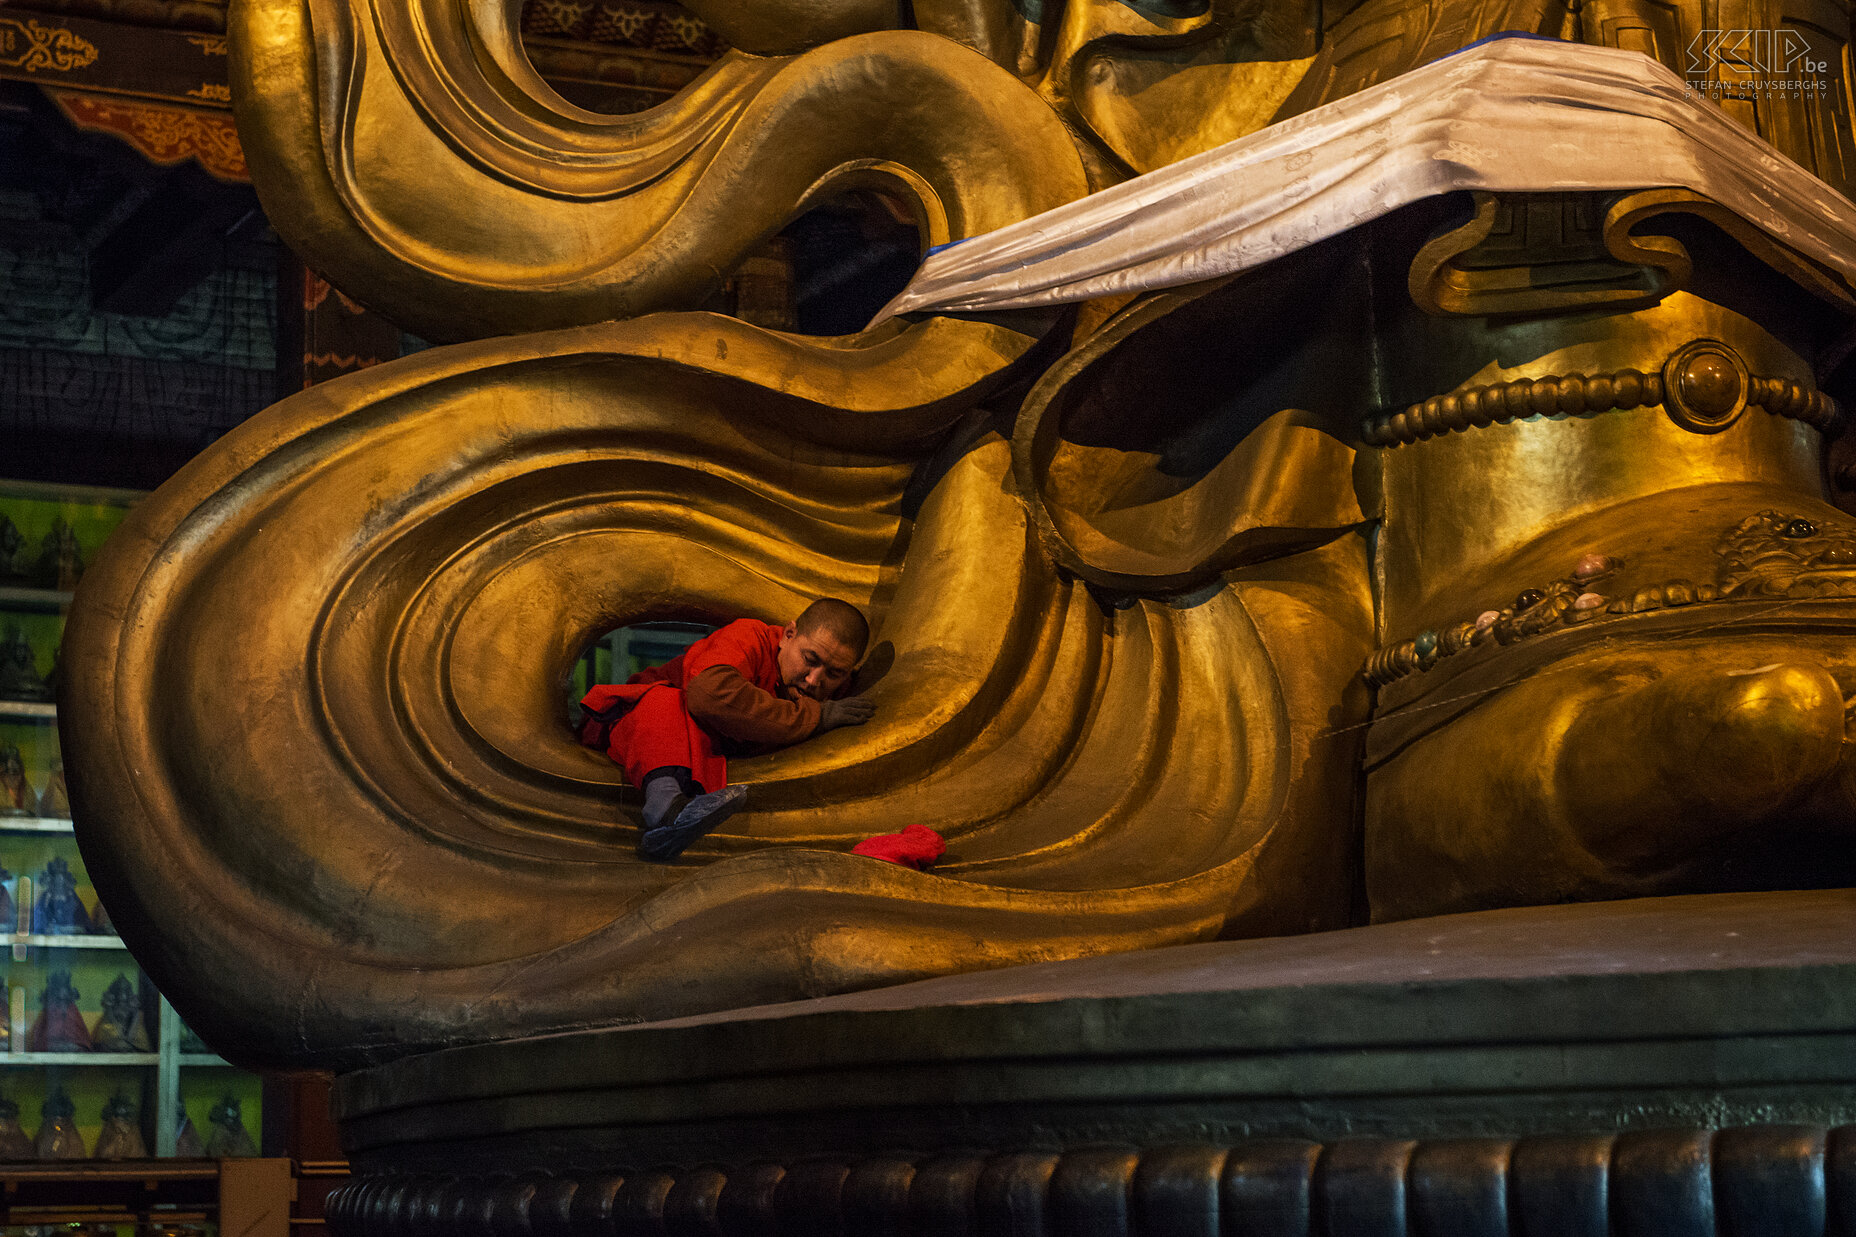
1504	34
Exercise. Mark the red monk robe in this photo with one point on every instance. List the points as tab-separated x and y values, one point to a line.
721	696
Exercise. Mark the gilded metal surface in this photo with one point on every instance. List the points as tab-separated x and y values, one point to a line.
411	154
322	766
1634	728
1569	252
401	839
1773	553
1117	500
368	123
1533	253
1577	394
1632	224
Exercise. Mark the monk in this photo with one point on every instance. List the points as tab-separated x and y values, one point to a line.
747	688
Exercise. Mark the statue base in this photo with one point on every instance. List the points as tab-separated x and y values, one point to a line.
1657	1066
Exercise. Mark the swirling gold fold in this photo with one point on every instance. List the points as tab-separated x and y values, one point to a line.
322	760
409	152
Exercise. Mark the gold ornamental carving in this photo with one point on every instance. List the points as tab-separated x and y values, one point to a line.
576	217
33	47
1435	565
1768	554
1704	387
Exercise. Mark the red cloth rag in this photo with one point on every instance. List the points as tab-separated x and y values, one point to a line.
916	847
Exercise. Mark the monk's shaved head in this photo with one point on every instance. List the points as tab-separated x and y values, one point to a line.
841	620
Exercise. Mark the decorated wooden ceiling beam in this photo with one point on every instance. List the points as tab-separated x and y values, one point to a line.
78	53
175	49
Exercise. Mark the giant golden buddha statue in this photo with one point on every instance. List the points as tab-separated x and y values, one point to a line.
1473	546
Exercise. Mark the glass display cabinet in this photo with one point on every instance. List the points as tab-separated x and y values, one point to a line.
94	1064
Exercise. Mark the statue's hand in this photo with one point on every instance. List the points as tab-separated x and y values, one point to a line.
851	711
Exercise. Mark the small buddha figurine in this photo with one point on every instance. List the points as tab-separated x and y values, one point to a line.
55	799
61	558
121	1026
121	1137
15	1144
12	553
187	1139
15	791
58	1134
229	1138
59	911
59	1026
19	669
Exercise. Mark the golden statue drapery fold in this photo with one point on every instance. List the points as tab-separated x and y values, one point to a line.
1357	584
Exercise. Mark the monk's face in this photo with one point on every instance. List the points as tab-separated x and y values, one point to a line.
814	663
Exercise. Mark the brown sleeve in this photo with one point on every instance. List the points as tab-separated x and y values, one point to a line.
722	699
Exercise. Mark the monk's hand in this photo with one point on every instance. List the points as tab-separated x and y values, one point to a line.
851	711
